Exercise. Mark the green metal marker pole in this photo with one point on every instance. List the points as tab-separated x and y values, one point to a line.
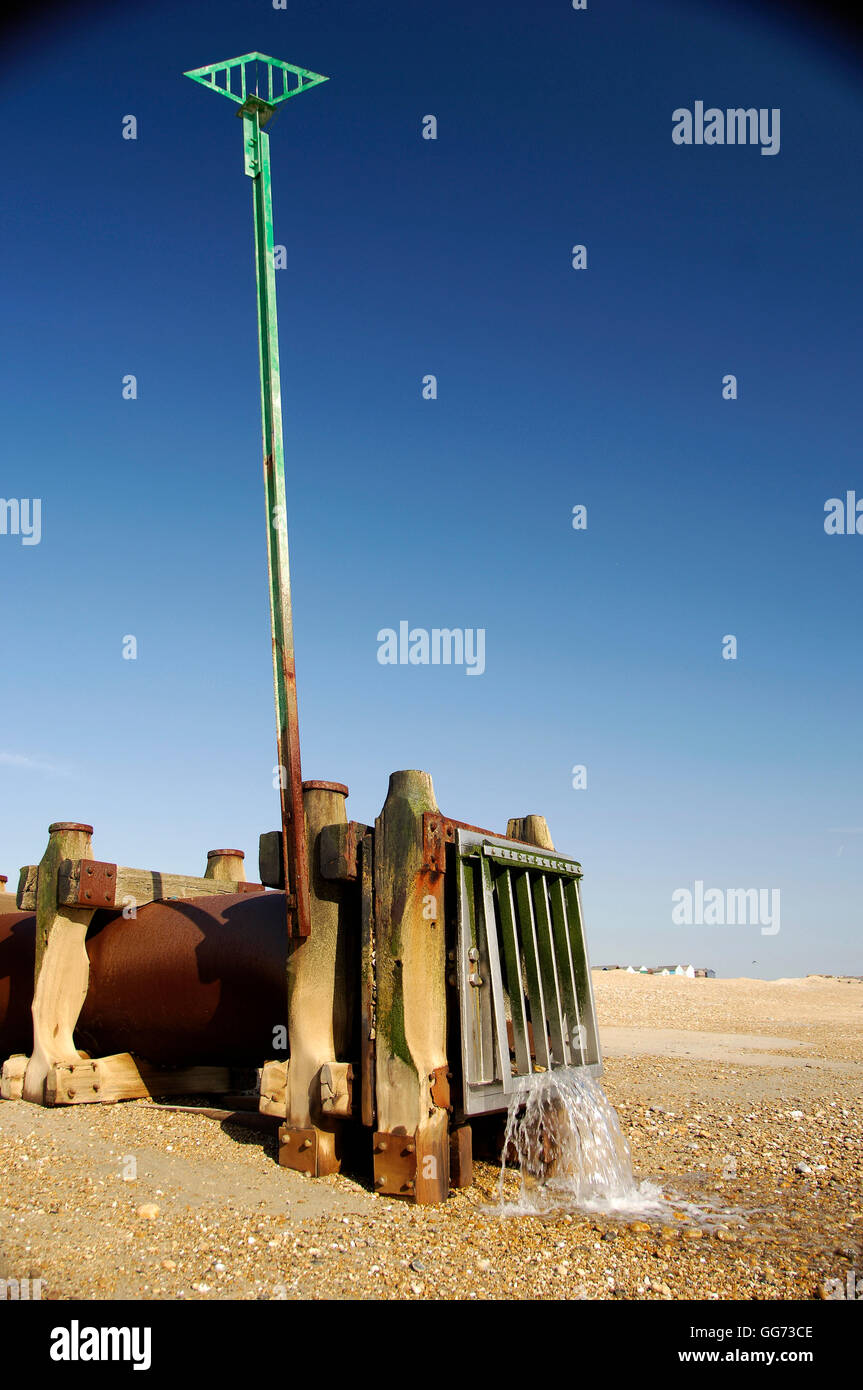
235	78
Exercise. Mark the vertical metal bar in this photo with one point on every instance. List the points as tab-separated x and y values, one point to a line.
527	927
496	980
257	147
565	971
515	984
476	1016
584	984
550	986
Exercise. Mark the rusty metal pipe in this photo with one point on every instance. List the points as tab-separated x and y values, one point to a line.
199	981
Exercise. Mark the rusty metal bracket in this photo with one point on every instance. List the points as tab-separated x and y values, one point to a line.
298	1149
97	886
395	1157
434	843
440	1079
439	831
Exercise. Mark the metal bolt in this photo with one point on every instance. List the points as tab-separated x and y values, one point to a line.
473	953
380	1182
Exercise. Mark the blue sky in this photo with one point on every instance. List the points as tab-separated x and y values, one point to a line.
556	387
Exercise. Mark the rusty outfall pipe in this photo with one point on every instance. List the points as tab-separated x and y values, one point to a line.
200	981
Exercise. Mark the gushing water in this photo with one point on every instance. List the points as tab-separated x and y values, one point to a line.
564	1136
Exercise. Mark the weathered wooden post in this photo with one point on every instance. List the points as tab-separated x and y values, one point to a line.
7	899
411	1145
226	864
62	965
532	829
321	986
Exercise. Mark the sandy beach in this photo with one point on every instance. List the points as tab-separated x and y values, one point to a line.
741	1100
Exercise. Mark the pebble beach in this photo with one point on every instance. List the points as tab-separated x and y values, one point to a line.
741	1101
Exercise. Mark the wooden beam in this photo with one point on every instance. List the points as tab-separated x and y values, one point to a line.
411	1142
321	986
367	979
92	883
62	965
122	1077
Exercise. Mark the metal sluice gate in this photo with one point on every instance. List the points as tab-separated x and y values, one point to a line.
525	993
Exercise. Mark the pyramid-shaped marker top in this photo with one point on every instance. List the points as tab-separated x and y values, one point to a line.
255	75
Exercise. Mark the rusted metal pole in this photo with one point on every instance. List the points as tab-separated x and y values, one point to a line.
257	162
234	78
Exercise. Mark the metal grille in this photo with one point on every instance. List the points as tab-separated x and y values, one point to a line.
523	975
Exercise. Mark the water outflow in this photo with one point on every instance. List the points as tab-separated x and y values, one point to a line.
565	1137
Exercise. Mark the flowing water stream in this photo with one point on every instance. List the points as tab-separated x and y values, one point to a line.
564	1137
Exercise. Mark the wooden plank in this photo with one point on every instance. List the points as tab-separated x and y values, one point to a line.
123	1077
141	885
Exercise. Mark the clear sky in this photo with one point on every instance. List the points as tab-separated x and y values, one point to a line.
557	387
